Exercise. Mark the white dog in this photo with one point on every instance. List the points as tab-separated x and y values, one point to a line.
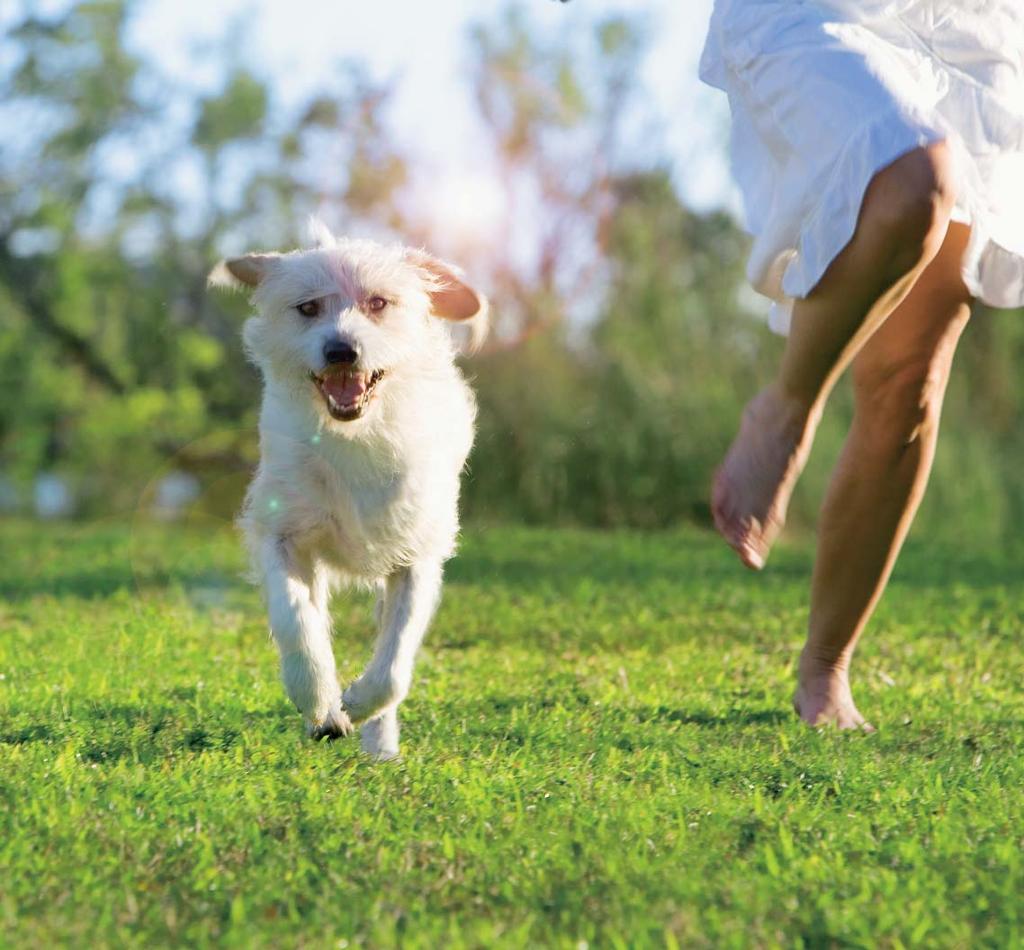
365	427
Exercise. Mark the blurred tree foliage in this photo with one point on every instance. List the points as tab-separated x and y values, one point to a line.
115	362
625	344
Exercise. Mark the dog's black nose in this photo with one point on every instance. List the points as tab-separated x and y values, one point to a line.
338	351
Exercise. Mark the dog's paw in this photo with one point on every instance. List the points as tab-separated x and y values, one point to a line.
379	737
366	697
335	725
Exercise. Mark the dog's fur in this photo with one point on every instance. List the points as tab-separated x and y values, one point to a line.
369	500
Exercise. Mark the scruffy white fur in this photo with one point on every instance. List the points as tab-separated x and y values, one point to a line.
372	501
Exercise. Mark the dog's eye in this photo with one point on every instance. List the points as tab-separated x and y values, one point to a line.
376	304
310	308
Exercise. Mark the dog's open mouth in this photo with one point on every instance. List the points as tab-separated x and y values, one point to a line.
347	392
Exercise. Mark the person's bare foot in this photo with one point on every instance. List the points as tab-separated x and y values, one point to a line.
753	485
823	697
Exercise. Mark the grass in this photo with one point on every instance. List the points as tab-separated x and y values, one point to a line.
598	749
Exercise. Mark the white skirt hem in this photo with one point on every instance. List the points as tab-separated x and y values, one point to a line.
831	222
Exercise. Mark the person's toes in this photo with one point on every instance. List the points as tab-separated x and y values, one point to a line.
837	714
850	718
751	556
854	723
745	544
753	562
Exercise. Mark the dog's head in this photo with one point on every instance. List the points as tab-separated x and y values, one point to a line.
337	320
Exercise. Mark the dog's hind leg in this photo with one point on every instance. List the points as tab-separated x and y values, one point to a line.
410	599
297	603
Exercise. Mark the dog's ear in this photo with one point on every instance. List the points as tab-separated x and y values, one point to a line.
450	296
241	272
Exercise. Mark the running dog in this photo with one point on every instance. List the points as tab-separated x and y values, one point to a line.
365	426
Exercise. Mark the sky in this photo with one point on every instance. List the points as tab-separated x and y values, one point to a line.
421	46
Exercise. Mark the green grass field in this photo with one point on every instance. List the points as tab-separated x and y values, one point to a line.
598	750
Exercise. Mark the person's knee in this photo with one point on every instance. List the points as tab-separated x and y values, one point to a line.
909	204
898	404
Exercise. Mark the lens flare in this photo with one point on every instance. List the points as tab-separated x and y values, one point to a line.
465	208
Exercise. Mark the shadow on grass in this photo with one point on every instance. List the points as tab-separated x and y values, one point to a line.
497	712
94	560
561	563
553	561
731	719
113	732
106	733
564	562
92	584
95	564
922	565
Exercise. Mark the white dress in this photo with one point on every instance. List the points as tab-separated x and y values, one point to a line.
826	93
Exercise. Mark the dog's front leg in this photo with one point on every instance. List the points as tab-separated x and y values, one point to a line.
410	599
379	736
297	604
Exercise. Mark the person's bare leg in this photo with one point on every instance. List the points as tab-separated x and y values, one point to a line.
901	226
900	379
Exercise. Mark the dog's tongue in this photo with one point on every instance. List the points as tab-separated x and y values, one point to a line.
345	388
